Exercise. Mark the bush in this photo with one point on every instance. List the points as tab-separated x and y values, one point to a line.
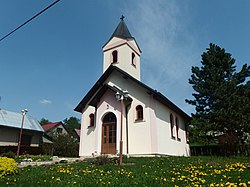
9	154
104	159
66	145
7	166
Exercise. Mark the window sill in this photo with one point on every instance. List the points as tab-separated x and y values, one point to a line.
173	138
178	139
139	120
90	126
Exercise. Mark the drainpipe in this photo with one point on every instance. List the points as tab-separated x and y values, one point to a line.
126	116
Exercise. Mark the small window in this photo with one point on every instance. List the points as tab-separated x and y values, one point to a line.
177	128
133	59
91	120
139	113
114	56
59	130
172	126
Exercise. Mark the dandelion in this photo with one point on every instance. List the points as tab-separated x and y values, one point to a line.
243	184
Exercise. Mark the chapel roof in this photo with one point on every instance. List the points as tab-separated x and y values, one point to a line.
101	83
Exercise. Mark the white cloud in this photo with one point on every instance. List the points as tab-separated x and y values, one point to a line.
168	48
45	101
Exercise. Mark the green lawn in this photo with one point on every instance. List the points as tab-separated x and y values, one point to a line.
157	171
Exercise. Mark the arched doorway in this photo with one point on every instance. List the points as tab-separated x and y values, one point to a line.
109	134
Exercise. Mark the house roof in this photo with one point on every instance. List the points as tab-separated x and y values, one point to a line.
49	126
78	132
100	85
14	120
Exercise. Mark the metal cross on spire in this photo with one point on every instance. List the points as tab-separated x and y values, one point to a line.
122	18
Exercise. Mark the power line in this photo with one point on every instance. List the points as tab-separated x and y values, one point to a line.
29	20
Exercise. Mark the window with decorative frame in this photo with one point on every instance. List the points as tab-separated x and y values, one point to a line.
177	128
91	120
172	126
186	132
139	113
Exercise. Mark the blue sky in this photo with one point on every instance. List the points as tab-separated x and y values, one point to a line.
49	65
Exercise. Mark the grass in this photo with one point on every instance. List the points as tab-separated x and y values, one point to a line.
157	171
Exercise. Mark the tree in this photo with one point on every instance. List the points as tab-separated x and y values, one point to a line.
71	124
44	121
66	145
222	95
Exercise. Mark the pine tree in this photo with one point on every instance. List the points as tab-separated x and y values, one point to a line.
222	95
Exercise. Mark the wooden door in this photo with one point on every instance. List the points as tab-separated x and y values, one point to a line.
109	134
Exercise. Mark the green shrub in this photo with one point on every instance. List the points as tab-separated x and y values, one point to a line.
7	166
104	159
9	154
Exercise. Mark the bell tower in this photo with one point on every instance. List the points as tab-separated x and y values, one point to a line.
122	51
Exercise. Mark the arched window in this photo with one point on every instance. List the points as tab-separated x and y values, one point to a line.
114	56
187	134
133	59
172	125
177	128
91	120
139	112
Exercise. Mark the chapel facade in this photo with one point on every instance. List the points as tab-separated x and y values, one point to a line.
122	114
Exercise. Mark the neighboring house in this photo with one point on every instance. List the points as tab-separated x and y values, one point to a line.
78	132
10	125
120	113
52	130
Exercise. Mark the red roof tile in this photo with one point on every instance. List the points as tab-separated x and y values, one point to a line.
47	127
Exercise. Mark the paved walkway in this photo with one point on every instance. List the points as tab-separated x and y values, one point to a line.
53	161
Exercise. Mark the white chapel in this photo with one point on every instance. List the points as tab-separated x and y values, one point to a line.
120	114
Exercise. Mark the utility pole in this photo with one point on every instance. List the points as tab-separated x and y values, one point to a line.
21	131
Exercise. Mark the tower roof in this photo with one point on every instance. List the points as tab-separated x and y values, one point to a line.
121	30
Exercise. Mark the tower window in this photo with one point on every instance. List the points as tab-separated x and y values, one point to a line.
114	56
133	59
139	112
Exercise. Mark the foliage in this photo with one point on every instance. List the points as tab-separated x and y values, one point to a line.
9	154
71	124
161	171
104	159
220	150
44	121
222	96
7	166
66	145
34	157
